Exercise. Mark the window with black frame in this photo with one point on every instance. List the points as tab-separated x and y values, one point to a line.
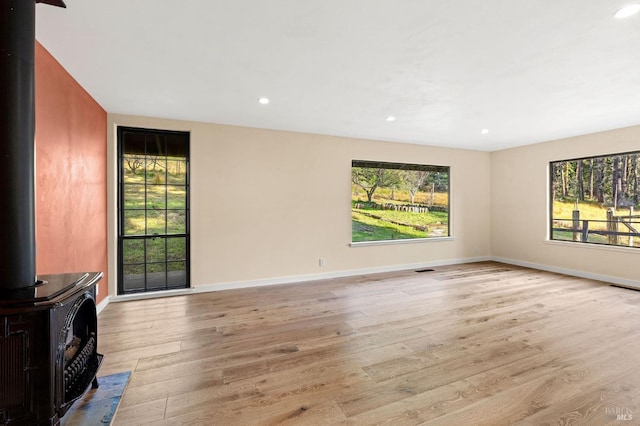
595	200
398	201
153	228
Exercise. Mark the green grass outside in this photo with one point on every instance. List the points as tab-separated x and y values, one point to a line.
411	218
568	236
395	224
367	228
158	199
563	210
134	254
595	213
135	196
165	214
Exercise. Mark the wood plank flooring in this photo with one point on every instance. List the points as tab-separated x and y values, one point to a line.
474	344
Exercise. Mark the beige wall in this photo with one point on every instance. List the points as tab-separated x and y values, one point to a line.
268	204
519	205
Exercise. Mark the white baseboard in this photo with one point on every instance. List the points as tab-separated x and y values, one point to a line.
233	285
151	295
573	272
301	279
103	304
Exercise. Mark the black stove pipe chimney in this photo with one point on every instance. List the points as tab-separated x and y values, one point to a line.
17	131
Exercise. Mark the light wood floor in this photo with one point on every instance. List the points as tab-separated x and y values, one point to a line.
476	344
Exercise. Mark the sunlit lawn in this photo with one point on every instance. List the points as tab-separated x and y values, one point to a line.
596	214
367	228
165	214
382	228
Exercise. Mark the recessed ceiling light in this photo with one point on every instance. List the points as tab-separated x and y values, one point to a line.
391	118
263	100
484	131
627	11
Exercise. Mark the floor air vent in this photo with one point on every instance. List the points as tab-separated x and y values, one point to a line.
425	270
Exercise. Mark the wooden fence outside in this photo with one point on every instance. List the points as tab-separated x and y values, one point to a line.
616	227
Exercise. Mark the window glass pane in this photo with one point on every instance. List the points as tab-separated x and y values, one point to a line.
156	222
156	251
177	274
156	276
176	197
177	223
134	222
177	171
133	277
156	197
133	142
176	248
177	146
133	251
134	168
155	145
397	201
156	169
134	196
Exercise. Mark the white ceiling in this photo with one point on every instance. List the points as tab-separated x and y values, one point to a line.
528	70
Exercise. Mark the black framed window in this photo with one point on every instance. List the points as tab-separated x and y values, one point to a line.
595	200
153	207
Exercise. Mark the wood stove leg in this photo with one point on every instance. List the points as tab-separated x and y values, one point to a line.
95	384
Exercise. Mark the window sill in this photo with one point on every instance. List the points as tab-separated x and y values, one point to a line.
407	241
592	246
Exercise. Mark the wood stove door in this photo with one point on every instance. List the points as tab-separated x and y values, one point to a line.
77	357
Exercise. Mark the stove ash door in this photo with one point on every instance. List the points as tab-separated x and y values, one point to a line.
17	374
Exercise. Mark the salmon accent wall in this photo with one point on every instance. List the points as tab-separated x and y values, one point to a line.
71	175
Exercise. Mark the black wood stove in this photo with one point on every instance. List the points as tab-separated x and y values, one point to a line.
48	348
48	324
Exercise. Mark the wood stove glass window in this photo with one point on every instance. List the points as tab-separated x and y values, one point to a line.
153	210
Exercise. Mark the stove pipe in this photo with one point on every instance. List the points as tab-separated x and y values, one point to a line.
17	131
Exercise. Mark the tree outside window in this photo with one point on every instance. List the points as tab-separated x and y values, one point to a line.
595	200
398	201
